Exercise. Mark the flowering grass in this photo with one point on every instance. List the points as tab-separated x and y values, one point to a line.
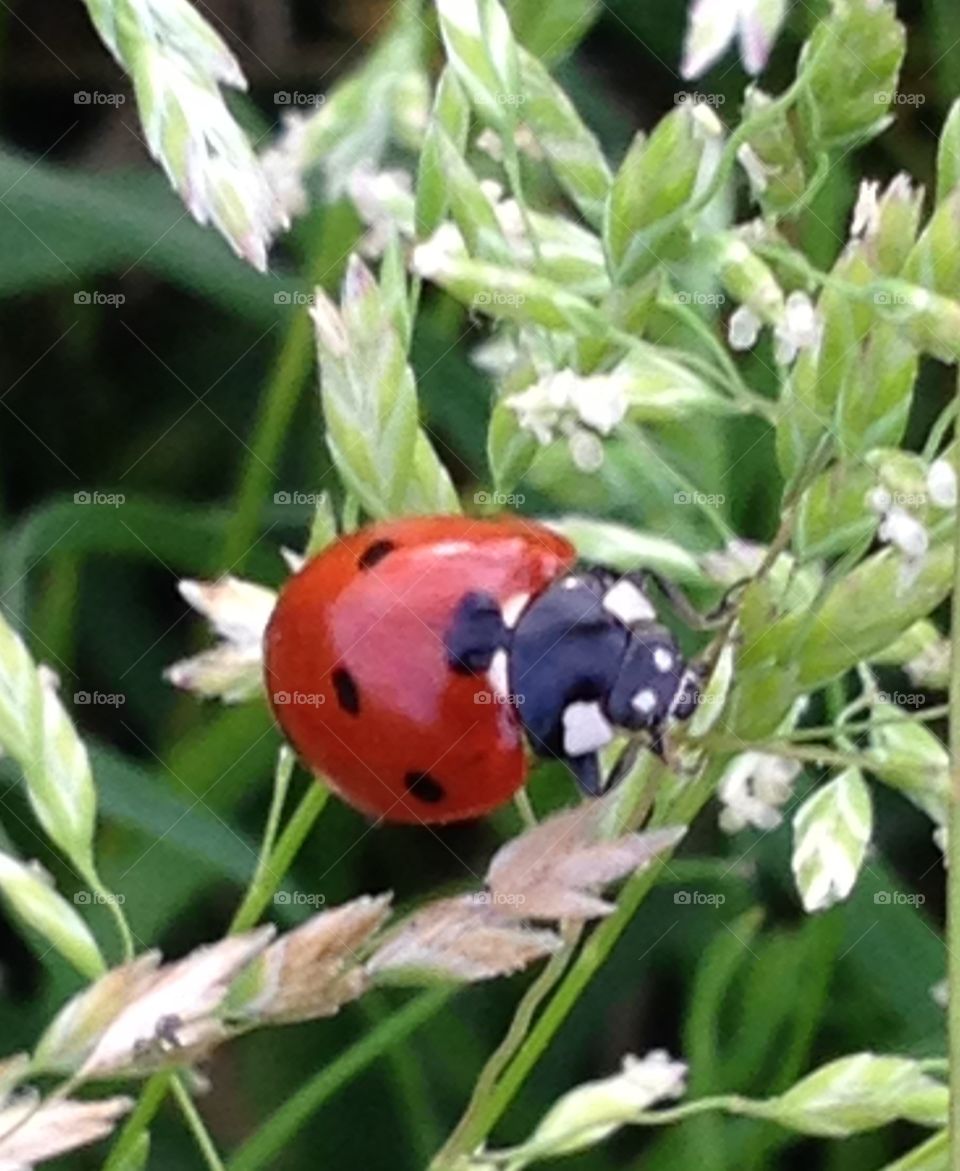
721	348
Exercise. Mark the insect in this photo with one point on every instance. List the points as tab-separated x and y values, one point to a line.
411	663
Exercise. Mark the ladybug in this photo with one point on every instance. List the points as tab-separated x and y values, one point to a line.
413	661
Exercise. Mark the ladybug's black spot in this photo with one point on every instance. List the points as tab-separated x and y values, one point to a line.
347	694
424	787
374	553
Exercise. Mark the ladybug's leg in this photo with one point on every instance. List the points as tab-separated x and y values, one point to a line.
683	607
586	771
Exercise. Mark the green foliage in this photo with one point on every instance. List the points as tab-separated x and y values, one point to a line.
552	315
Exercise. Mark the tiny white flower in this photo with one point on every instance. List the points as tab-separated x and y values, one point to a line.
879	500
586	450
713	24
384	200
753	789
942	484
743	328
799	329
239	612
754	167
866	214
578	407
588	1114
905	532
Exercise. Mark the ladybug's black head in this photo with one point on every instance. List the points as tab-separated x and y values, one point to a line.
582	660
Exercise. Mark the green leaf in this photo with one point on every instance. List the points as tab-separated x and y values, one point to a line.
370	405
552	29
623	549
831	832
572	150
30	893
948	155
655	180
450	119
509	294
510	448
857	1093
37	732
483	54
471	209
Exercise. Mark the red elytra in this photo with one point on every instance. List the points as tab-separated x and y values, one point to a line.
359	677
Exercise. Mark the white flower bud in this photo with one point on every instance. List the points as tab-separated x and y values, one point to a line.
942	484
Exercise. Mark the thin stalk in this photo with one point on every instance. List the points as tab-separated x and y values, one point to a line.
281	785
264	1147
151	1099
198	1128
953	853
268	878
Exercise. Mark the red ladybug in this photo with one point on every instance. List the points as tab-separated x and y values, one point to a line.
410	661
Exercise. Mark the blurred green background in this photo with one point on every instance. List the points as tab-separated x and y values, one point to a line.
172	399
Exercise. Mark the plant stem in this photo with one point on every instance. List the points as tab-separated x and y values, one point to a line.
503	1054
197	1126
151	1099
482	1116
264	1147
269	876
953	853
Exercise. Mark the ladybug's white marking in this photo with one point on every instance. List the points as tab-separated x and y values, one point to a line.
662	659
584	728
629	604
513	608
570	583
645	701
498	673
450	548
